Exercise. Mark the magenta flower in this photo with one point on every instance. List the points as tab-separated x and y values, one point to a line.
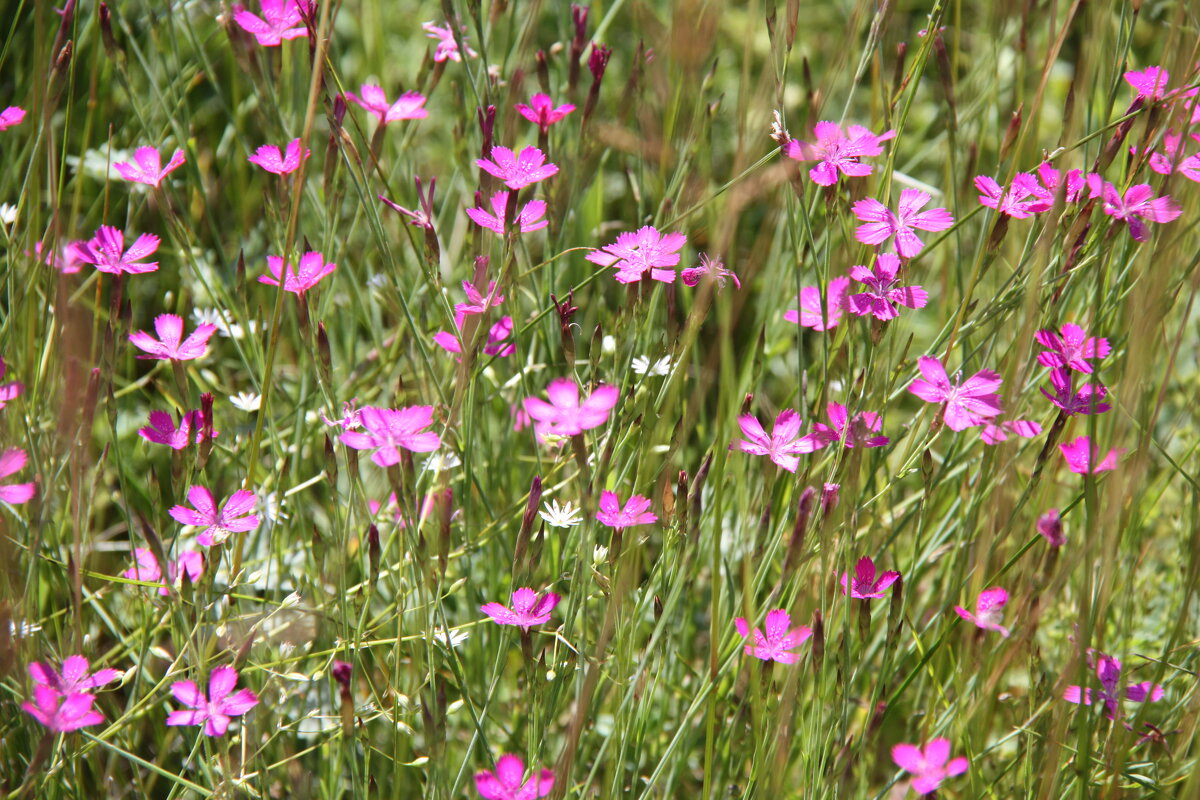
1024	197
1071	348
517	170
1150	83
218	710
967	404
73	678
880	224
508	781
162	430
528	609
218	523
1171	159
477	301
389	430
930	767
170	343
15	493
542	112
147	167
777	639
784	443
866	585
709	266
636	511
423	217
189	565
1138	206
531	218
106	251
62	714
11	390
499	340
1050	526
995	432
69	260
810	314
447	48
1081	457
1084	400
634	254
884	294
837	151
269	158
410	105
989	610
564	415
312	269
11	116
1051	177
281	19
850	432
1108	670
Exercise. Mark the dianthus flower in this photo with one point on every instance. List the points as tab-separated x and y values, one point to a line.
217	522
884	295
865	585
106	251
1070	348
61	713
281	19
217	710
989	610
409	105
1108	670
170	344
508	781
1081	454
73	677
312	269
528	609
968	403
269	158
11	116
1023	198
147	167
542	112
634	254
777	640
1137	207
880	223
162	429
564	415
850	432
1087	399
517	170
636	511
929	767
783	445
810	314
531	217
837	151
13	460
388	430
446	48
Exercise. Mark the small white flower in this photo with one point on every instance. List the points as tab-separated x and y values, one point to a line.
246	401
453	639
377	280
270	505
642	366
22	629
778	132
224	322
599	554
99	165
8	213
564	516
608	345
440	462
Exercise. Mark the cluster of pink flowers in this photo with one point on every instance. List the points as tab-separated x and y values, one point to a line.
63	699
785	443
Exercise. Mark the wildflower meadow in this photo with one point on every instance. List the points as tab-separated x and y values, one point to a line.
640	399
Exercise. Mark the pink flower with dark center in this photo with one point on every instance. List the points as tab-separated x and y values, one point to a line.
11	461
281	19
810	314
170	343
881	224
837	151
884	295
1137	207
11	116
216	711
531	217
11	390
447	48
989	610
564	415
783	445
106	251
1081	456
217	522
73	677
409	105
996	432
1070	349
1050	526
1108	670
634	254
390	430
499	339
709	266
850	432
62	714
517	170
930	767
777	639
508	781
636	511
1087	399
969	403
269	158
1150	83
542	112
528	609
1023	198
189	565
147	167
162	430
865	585
312	269
1051	177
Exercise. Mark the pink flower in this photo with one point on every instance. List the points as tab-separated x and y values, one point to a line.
147	167
1150	83
531	218
106	251
189	565
408	106
928	767
784	443
388	430
564	415
837	151
636	511
447	48
477	301
880	224
634	254
709	266
312	269
11	390
1070	349
996	432
1108	670
851	433
269	158
168	345
989	610
967	404
508	781
1050	526
865	585
281	19
1085	400
162	430
884	294
62	714
11	116
1050	179
350	419
218	710
218	523
424	216
810	314
68	261
15	493
528	609
1024	197
778	640
73	678
1138	206
1081	455
499	340
542	112
517	170
1172	160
